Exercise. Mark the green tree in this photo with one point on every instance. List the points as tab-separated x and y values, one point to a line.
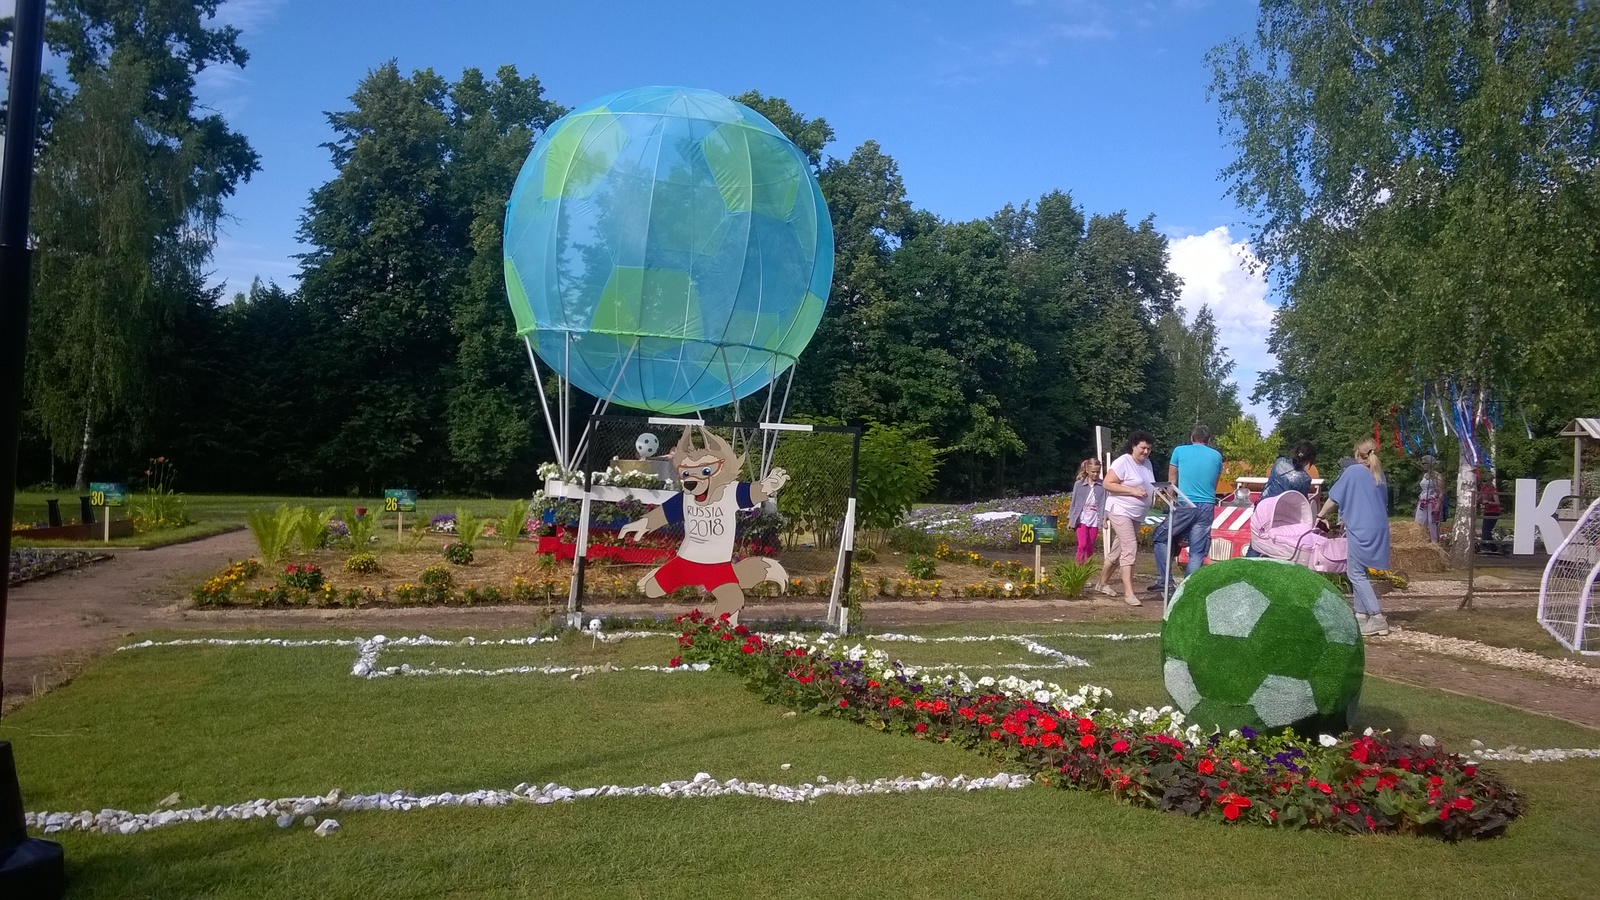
492	433
1423	175
1202	393
131	181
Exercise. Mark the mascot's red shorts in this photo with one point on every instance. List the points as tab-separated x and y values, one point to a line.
681	573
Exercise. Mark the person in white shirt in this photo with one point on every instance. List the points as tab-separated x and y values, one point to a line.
1129	486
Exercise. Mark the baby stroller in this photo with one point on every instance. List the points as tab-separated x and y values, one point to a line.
1283	527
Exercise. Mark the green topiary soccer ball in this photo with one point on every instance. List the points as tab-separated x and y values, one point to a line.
1262	644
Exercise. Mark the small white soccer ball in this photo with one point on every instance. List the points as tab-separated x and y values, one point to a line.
594	624
648	445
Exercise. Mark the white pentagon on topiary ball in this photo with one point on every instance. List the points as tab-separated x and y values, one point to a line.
1262	644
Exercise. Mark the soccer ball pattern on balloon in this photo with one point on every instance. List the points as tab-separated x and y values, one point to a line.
1251	643
668	248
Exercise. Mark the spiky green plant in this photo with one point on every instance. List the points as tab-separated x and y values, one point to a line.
274	532
311	531
361	528
469	529
510	528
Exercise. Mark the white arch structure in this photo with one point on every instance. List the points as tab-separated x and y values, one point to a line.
1567	601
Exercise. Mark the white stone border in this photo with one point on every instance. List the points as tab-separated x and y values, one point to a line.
1504	657
286	810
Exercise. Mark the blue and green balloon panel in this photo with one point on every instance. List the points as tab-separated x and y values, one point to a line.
669	248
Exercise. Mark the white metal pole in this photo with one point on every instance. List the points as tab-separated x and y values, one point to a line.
544	404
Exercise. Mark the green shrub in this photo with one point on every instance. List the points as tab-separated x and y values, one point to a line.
897	469
1070	577
274	532
904	539
865	554
361	563
458	553
923	567
436	576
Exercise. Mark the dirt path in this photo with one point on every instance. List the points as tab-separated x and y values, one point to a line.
57	624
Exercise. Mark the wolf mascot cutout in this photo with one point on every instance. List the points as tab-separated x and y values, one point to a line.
708	505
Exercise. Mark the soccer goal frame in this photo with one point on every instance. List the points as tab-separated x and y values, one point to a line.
1567	598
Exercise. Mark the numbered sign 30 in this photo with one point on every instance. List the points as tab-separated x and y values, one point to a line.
107	493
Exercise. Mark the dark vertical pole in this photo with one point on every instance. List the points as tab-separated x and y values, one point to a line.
16	190
29	867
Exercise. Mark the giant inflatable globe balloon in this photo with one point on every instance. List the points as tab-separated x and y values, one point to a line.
668	248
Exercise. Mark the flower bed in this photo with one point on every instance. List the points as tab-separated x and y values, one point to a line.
1370	783
992	523
28	564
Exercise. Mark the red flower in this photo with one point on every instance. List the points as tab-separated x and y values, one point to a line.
1029	740
1050	740
1085	726
1371	825
920	727
1086	741
1462	803
726	636
1471	771
1206	766
1444	814
1352	808
997	734
871	683
675	662
740	630
747	649
844	704
1231	804
1047	724
1119	746
896	701
985	719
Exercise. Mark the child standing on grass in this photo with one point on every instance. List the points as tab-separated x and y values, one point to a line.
1088	499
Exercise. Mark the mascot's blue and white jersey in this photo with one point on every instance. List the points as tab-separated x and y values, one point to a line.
708	527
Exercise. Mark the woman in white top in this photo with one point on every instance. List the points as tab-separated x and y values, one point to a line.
1129	487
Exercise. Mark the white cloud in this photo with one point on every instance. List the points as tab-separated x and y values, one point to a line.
1224	274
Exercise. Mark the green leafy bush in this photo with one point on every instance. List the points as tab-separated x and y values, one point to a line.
458	553
436	576
1070	577
897	469
362	563
903	539
274	532
920	566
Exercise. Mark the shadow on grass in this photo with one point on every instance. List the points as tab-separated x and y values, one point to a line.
1379	718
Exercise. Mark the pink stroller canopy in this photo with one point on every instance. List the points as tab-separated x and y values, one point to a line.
1288	508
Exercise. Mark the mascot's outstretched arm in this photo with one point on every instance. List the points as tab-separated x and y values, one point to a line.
638	528
768	486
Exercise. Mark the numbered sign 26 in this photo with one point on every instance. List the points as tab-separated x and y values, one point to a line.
399	500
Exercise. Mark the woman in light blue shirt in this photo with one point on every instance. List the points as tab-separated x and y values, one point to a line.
1362	496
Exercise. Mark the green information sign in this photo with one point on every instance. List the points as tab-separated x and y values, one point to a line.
1038	529
399	500
108	493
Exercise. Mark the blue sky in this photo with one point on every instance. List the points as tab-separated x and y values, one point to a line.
980	103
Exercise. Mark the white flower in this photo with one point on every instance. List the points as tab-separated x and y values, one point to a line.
1328	740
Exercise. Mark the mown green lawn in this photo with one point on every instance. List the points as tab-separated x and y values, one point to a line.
225	725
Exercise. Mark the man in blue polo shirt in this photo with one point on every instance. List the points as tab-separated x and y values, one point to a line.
1194	469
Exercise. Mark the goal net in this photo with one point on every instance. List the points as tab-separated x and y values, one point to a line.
1567	592
715	513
